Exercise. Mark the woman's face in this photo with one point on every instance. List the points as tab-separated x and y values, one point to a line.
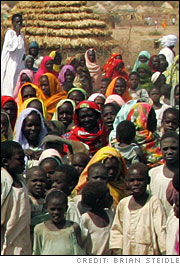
120	87
69	76
44	84
25	78
143	59
156	63
91	56
32	127
11	109
65	113
36	104
29	63
49	65
4	125
76	96
87	119
113	167
28	92
142	73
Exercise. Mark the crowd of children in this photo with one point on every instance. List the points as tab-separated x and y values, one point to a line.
89	153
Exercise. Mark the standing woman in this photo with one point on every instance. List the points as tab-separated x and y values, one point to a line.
93	67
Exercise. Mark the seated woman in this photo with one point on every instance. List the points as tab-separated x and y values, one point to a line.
64	113
26	75
143	57
89	127
66	77
117	171
9	105
144	70
77	94
52	91
46	66
118	86
117	69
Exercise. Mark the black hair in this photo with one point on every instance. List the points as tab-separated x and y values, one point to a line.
95	165
125	132
171	134
84	156
27	86
139	165
16	15
116	107
30	171
93	195
172	111
175	180
8	149
134	73
72	175
54	193
106	79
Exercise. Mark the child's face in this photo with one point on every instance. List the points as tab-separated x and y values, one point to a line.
59	182
176	206
170	150
49	167
103	87
32	127
56	208
113	167
37	184
136	182
154	95
99	101
98	174
16	163
170	122
109	115
78	163
133	82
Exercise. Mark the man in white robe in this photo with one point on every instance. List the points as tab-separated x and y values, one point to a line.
12	55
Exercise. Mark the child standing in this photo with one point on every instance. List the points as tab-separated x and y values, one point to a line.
139	223
15	208
57	236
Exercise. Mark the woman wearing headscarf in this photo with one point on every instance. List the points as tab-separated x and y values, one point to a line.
98	98
29	62
113	88
143	57
46	66
89	127
26	75
117	185
34	51
109	62
115	98
9	105
93	67
52	91
77	94
144	70
57	58
66	77
6	129
144	118
117	69
154	63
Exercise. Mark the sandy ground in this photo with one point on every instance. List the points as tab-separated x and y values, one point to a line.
134	39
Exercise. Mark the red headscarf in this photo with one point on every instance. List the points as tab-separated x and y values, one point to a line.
42	70
112	72
94	140
109	62
4	100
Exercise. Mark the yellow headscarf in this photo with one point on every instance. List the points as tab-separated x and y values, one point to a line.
55	66
117	186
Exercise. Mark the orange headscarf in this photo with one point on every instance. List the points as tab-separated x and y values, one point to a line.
110	90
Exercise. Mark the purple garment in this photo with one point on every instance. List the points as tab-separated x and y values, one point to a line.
61	76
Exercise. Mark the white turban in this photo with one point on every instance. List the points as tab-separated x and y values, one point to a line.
169	40
155	76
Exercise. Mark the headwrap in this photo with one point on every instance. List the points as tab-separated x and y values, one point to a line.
33	44
151	63
30	74
61	76
95	95
56	67
78	89
53	153
146	82
115	98
169	40
138	62
93	140
148	141
155	76
117	186
9	132
42	70
20	138
110	90
94	70
112	72
34	69
4	100
109	62
60	103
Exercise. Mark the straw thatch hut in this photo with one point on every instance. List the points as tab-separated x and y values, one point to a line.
65	25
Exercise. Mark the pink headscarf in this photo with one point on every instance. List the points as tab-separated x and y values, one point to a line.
42	70
50	152
30	74
61	76
95	95
115	98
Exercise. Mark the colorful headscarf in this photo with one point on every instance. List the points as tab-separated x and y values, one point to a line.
9	132
94	70
60	103
42	70
30	74
115	98
19	136
148	141
109	62
110	90
146	82
4	100
78	89
93	140
56	67
112	72
50	152
138	62
61	76
29	100
117	186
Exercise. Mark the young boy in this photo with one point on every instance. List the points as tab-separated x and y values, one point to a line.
79	161
139	223
15	207
170	120
133	85
163	174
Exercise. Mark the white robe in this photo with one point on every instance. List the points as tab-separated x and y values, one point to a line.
11	61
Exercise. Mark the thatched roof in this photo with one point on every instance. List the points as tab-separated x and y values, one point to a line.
166	5
63	24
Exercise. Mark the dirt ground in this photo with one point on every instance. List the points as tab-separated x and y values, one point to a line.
134	39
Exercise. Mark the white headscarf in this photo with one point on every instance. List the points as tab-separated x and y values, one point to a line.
155	76
169	40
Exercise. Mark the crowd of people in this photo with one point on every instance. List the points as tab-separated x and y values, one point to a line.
89	152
